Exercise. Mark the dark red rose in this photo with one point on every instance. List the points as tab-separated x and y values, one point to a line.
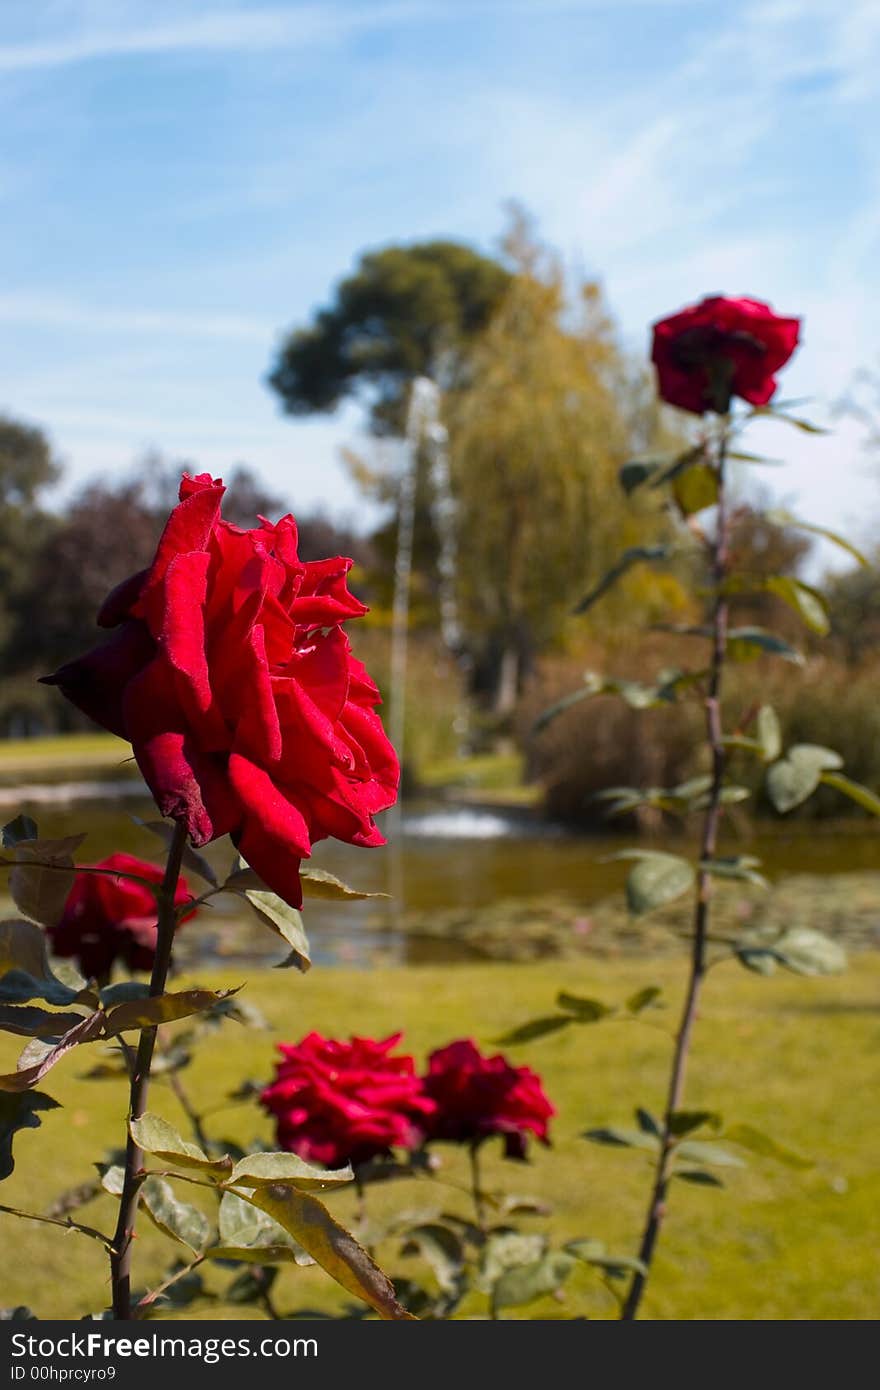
109	919
230	675
345	1102
721	348
479	1096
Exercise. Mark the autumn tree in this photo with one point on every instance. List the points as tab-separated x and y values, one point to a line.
544	419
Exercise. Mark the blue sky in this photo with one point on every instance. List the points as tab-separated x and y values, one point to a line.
183	180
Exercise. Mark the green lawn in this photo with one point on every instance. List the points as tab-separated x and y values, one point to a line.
798	1058
64	750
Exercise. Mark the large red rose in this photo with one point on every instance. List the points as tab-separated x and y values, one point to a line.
109	919
345	1102
479	1096
721	348
231	676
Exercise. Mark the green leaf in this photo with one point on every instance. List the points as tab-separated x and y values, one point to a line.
39	1057
647	1123
248	1234
17	1112
771	413
863	797
635	555
286	922
643	999
525	1283
760	959
699	1176
180	1220
692	457
535	1028
696	489
794	778
756	1142
30	1022
683	1122
809	952
617	1137
585	1010
265	1169
22	828
746	643
163	1008
156	1136
595	1252
769	733
443	1250
636	472
507	1249
657	879
249	1286
778	517
332	1247
806	601
739	867
25	972
698	1151
40	890
317	883
164	830
743	457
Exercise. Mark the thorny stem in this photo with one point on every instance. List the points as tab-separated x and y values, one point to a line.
149	1298
714	735
120	1259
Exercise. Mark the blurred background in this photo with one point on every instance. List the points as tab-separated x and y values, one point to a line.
392	266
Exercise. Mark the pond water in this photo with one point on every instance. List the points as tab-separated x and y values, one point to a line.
450	856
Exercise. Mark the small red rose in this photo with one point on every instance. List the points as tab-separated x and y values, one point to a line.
721	348
477	1096
110	919
340	1102
230	675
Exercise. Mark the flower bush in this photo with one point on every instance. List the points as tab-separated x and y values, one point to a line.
476	1097
340	1102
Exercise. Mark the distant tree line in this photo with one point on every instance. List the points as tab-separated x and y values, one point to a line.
56	566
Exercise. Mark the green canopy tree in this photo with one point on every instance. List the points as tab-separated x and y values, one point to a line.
406	311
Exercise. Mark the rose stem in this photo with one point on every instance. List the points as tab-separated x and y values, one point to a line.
120	1260
479	1206
714	736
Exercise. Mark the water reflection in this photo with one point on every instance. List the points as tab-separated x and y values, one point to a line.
452	857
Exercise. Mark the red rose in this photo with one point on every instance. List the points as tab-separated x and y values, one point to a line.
721	348
345	1102
230	675
108	919
479	1096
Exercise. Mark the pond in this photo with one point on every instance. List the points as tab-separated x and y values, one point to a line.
450	858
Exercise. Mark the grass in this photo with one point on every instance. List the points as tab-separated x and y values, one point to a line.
797	1058
486	776
61	751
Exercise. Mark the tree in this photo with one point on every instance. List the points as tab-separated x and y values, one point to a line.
406	311
27	466
538	433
